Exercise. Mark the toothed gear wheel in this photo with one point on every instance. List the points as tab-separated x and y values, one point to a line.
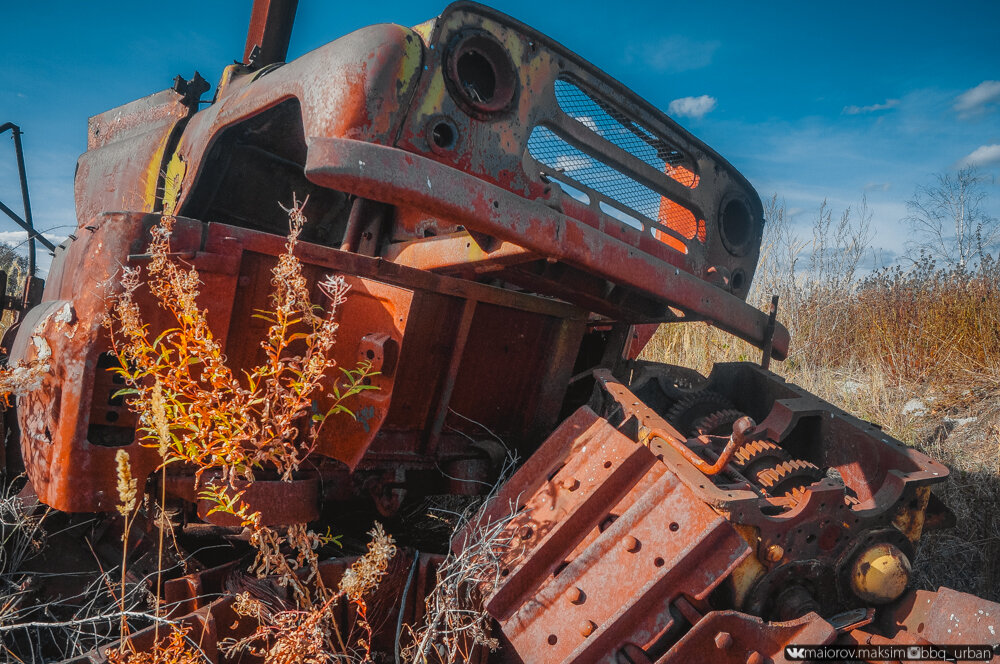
678	382
719	423
782	478
757	455
691	408
796	495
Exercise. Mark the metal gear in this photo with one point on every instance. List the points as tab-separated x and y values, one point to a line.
757	455
685	412
719	423
782	478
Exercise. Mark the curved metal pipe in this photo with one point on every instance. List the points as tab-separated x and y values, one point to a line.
736	440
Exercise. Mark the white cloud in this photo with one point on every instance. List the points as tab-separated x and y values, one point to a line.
589	123
978	99
672	54
857	110
16	238
984	155
568	163
692	107
877	186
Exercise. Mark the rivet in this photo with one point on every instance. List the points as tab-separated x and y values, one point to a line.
571	484
774	553
525	532
575	595
723	640
755	658
588	627
630	543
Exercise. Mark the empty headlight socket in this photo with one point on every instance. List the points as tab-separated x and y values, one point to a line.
480	75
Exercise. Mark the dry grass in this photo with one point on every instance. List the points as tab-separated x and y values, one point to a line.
456	623
915	350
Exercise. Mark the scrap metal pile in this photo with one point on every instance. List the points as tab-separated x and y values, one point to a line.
513	224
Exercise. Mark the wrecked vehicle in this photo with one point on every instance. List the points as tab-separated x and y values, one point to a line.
513	224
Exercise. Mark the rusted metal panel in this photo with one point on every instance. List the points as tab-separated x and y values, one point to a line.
731	636
127	151
492	145
357	86
68	472
80	431
944	616
564	599
348	165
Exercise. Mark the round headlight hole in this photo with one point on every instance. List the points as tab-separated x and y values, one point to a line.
480	74
443	135
476	76
736	225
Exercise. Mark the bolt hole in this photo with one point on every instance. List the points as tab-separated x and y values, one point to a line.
504	572
738	280
607	464
674	527
810	538
659	562
553	639
370	354
111	416
443	135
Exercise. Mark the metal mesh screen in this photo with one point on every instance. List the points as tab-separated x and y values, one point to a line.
613	126
549	149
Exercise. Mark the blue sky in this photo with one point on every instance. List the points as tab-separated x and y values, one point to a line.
811	101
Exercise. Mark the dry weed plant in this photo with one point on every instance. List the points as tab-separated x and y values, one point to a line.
218	421
311	633
196	411
175	648
34	627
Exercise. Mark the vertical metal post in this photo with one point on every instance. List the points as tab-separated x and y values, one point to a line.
16	132
772	316
269	33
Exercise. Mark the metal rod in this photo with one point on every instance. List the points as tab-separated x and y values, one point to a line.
736	440
23	224
772	317
27	222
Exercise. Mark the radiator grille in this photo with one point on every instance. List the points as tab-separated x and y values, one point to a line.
613	126
571	163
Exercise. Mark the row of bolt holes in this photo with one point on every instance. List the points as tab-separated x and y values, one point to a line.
658	561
